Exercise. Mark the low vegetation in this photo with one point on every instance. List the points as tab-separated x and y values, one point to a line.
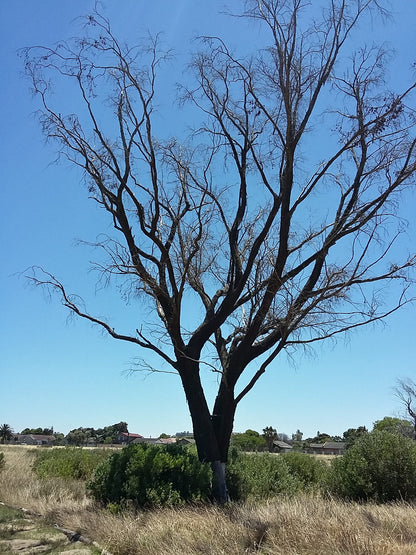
380	466
70	462
151	475
286	502
265	475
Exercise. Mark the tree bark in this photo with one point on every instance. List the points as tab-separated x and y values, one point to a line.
212	433
219	483
223	419
204	435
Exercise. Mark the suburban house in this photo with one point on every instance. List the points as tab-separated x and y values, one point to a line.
281	447
327	448
155	440
185	441
167	440
32	439
125	438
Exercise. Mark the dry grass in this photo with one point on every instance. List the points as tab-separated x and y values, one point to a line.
20	487
314	526
300	526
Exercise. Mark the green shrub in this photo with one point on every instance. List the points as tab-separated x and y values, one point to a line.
380	466
260	476
309	470
70	462
151	475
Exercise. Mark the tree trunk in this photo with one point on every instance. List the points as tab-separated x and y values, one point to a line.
211	433
219	483
204	435
223	419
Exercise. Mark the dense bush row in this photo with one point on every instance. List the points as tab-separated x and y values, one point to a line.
69	462
380	466
148	475
264	475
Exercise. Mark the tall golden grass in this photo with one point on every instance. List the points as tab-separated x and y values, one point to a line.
305	525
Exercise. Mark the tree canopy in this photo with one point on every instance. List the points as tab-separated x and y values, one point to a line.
394	425
250	440
108	434
40	431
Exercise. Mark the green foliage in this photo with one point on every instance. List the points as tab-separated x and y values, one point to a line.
106	435
37	431
260	476
151	475
308	470
69	462
395	426
6	433
8	514
351	435
319	438
380	466
297	436
270	435
2	462
250	440
78	437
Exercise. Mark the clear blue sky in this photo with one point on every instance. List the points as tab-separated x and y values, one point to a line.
67	374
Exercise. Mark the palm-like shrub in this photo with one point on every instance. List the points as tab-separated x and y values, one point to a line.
6	433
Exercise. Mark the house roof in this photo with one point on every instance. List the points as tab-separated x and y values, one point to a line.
328	445
142	439
126	434
167	440
189	440
282	444
155	440
35	437
334	445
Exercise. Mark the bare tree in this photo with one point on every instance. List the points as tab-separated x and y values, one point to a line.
406	392
244	241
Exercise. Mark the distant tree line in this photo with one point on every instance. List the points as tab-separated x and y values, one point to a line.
38	431
77	437
106	435
250	440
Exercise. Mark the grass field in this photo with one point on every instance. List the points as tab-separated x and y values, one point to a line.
303	525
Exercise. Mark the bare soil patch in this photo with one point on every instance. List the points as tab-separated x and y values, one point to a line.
26	533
